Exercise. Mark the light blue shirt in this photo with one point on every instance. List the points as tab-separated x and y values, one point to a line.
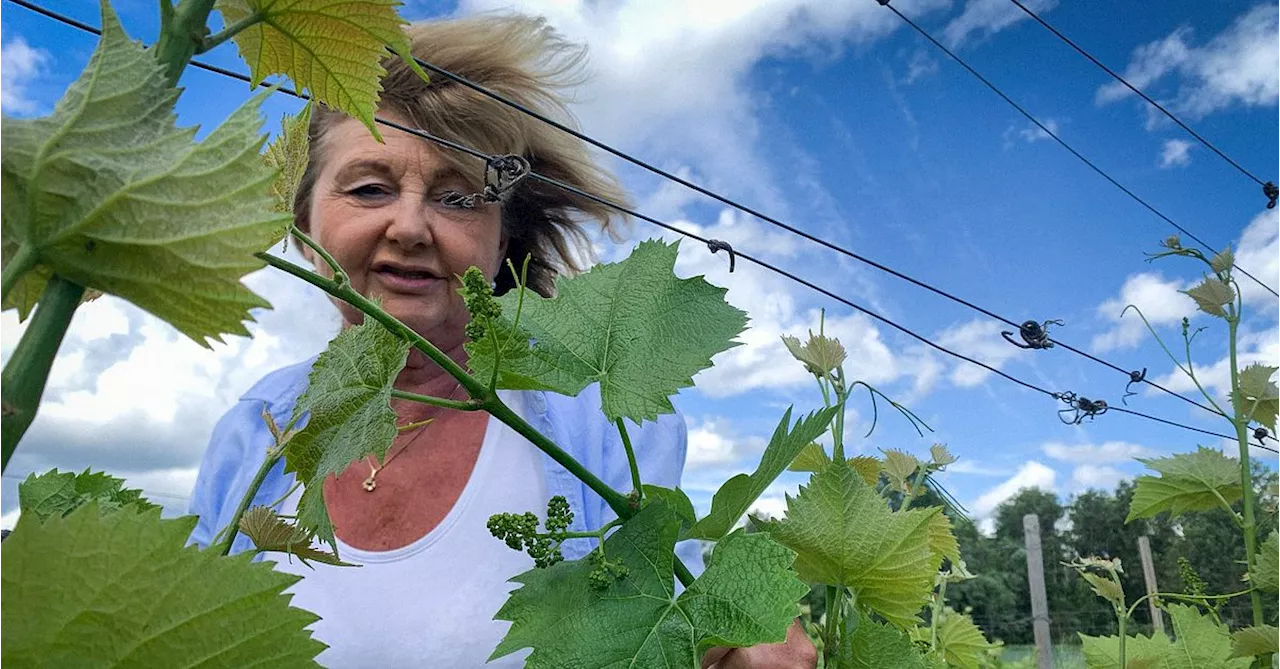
240	441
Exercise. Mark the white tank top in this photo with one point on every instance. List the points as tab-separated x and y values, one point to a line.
431	603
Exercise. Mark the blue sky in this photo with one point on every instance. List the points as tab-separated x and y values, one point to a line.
840	120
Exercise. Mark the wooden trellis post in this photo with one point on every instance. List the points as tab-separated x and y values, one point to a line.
1149	577
1039	602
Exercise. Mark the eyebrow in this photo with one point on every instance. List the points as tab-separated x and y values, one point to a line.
381	168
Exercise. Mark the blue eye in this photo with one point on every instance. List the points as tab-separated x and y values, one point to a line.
369	191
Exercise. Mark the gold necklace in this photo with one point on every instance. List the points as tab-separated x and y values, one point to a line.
371	483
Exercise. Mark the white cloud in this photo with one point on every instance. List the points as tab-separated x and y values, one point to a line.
713	443
979	339
1030	475
689	64
1095	477
1262	347
1236	67
1030	133
974	467
1258	251
1176	153
21	64
1108	452
983	18
1157	297
8	520
919	66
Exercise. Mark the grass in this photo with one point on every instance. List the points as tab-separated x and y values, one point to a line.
1065	656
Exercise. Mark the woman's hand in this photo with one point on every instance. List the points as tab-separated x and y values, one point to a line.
797	652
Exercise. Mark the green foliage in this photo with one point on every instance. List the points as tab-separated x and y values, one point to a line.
1211	295
875	645
123	589
55	493
1259	394
1199	643
960	642
1267	564
898	467
737	494
520	531
676	500
331	48
287	155
348	401
813	458
108	193
270	532
1255	640
821	355
1196	481
1223	261
746	596
844	534
632	326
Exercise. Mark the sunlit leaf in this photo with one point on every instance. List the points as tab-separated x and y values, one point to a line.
632	326
348	398
1196	481
875	645
844	534
960	641
811	458
287	154
898	467
1222	261
1199	643
737	494
108	193
124	590
1259	392
821	355
1211	295
940	456
1266	567
746	596
1104	588
867	466
331	48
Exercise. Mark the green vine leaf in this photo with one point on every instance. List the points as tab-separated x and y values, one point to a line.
1259	640
1256	386
287	154
1196	481
124	589
108	193
331	48
844	534
1222	261
632	326
746	596
875	645
1104	588
821	355
676	500
348	397
898	467
1266	565
55	493
940	456
811	458
1199	643
960	642
270	532
737	494
1211	295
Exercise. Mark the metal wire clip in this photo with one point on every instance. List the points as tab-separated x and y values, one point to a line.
1035	335
714	245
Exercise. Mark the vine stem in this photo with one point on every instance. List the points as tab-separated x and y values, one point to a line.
1246	476
182	33
631	458
458	405
233	529
212	41
23	381
831	644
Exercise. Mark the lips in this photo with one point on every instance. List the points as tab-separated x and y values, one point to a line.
405	278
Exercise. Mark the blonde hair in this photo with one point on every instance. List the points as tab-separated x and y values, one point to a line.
524	60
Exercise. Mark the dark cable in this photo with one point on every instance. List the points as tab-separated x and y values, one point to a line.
1187	427
625	210
1065	145
1142	95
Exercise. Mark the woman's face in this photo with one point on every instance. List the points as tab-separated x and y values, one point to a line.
376	209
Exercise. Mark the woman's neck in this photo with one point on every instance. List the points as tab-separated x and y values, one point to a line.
424	377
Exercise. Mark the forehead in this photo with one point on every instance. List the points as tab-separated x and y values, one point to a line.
349	142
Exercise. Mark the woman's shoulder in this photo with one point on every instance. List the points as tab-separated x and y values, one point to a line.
583	414
282	387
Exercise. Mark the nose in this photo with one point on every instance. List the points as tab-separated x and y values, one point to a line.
411	225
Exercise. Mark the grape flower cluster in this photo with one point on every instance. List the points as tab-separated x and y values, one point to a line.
477	295
606	571
520	531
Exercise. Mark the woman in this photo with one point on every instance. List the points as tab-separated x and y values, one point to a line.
431	577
